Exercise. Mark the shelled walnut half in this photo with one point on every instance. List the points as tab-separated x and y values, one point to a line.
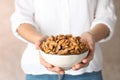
64	45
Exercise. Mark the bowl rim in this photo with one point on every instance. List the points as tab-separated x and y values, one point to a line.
62	55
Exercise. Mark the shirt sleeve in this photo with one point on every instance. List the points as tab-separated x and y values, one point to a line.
24	12
105	14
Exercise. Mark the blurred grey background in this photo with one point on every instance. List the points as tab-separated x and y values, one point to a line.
11	48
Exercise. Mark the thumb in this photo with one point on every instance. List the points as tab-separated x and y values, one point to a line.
37	45
39	42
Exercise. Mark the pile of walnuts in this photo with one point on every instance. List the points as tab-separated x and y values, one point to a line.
64	45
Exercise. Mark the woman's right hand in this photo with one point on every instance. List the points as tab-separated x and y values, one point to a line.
43	62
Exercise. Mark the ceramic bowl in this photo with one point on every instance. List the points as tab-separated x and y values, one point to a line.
63	61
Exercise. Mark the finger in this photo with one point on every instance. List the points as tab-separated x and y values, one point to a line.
90	55
79	66
43	62
88	58
91	47
57	70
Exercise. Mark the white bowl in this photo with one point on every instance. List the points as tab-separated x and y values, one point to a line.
63	61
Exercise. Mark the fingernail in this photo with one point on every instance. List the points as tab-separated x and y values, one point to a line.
84	61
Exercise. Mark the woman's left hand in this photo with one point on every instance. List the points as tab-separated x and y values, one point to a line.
88	37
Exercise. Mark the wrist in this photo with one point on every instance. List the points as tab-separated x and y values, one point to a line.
41	38
92	35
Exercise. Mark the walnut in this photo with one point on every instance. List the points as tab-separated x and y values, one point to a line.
64	45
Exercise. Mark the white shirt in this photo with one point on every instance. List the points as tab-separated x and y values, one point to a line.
53	17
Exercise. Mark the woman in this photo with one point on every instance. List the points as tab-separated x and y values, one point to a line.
93	20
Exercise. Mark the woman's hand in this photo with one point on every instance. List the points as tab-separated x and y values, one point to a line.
43	62
39	42
87	37
51	67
